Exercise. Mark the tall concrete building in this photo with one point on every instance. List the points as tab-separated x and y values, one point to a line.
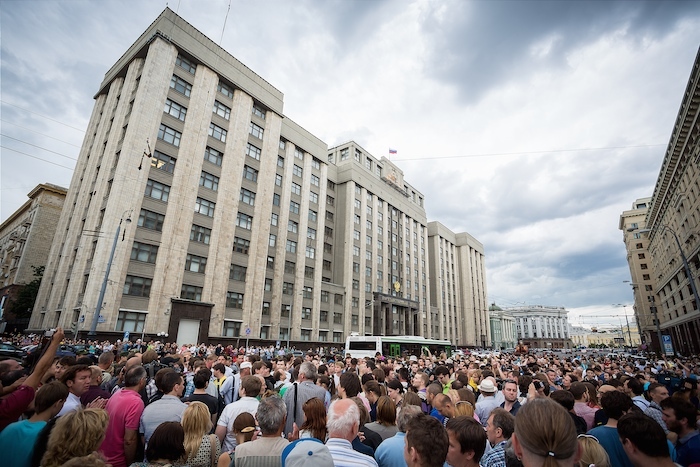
540	326
243	224
639	261
672	221
25	240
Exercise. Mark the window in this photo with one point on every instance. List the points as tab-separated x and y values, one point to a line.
358	155
326	265
185	64
276	199
234	300
313	197
225	90
369	240
271	262
306	313
308	272
315	163
151	220
175	110
337	318
368	255
329	216
169	135
292	227
137	286
253	151
250	173
215	131
287	288
296	170
358	205
313	215
315	181
643	266
213	156
191	292
368	163
232	328
131	321
289	267
268	288
200	234
222	110
274	219
311	233
357	219
344	154
640	255
247	197
291	246
157	190
323	316
645	277
256	130
328	232
237	272
308	292
355	234
272	241
280	161
338	299
283	144
144	252
368	271
299	153
244	221
330	201
310	252
355	284
296	188
208	180
162	162
180	85
327	248
241	245
356	251
194	263
278	180
204	207
258	111
294	207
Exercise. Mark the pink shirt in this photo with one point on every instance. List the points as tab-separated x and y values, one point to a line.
586	412
124	408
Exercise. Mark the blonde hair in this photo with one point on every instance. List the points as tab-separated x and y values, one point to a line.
592	452
76	434
545	430
464	408
196	422
453	395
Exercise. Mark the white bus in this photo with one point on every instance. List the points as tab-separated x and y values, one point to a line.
395	346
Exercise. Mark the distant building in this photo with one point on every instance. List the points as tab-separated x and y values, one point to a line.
25	240
503	329
543	327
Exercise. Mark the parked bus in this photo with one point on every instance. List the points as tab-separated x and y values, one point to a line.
395	346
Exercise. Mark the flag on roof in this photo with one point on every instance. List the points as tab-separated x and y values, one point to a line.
392	151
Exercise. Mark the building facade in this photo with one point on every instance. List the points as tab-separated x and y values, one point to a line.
542	327
670	231
503	332
25	240
242	223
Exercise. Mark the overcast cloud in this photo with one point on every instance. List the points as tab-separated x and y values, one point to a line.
530	125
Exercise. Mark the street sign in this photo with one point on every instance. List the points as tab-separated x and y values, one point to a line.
668	345
247	331
101	319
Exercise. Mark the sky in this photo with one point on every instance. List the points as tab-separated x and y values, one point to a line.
529	124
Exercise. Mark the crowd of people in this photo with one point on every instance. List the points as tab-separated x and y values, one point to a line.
148	404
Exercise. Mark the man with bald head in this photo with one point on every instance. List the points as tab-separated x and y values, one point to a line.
343	425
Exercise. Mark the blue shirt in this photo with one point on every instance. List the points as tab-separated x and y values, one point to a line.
496	456
687	449
390	452
610	440
17	442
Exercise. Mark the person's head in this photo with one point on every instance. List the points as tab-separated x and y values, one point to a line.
592	453
420	380
349	385
251	385
563	398
431	391
407	414
658	392
61	366
315	418
545	434
170	382
467	441
634	387
616	404
386	411
642	438
580	391
426	442
510	390
373	391
149	356
307	371
244	427
271	415
51	396
196	421
201	378
167	443
261	368
442	374
463	408
499	426
76	434
678	414
135	377
343	419
444	405
95	375
219	370
77	378
394	390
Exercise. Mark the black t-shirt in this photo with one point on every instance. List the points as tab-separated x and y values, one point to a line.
211	401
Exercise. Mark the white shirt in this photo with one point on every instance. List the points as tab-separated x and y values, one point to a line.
72	403
229	414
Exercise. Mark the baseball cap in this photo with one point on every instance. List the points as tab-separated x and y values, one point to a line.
246	365
306	451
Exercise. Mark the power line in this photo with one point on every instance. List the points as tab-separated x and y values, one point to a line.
39	147
38	158
42	116
38	133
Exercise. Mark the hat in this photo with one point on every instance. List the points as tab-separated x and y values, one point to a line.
449	361
413	358
306	451
487	386
246	365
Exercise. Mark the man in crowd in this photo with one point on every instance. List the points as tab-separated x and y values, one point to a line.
343	426
488	403
615	404
250	389
442	376
77	379
499	428
125	408
266	450
295	397
467	442
644	441
426	443
390	452
431	392
635	389
95	390
444	406
510	394
657	393
581	407
680	417
168	408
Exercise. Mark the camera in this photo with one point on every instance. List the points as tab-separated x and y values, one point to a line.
538	384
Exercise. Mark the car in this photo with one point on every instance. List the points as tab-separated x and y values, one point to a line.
9	350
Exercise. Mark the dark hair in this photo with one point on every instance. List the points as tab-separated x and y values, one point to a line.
563	398
441	370
201	378
166	379
167	442
373	386
366	377
469	433
220	367
315	418
578	390
645	433
73	371
682	409
434	389
635	386
395	384
615	404
350	382
386	411
403	373
426	435
67	361
134	375
49	394
504	420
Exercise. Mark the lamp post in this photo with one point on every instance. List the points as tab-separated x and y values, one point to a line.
103	289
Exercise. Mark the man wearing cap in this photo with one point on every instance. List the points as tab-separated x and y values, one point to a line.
305	452
245	370
488	403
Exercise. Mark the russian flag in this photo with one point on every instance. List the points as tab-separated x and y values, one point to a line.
392	151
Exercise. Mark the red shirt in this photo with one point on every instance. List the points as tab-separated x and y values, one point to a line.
12	406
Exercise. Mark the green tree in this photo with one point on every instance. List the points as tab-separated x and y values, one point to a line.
22	306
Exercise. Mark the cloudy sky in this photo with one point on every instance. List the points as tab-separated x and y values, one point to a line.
529	124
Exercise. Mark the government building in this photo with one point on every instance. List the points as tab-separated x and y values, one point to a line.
198	209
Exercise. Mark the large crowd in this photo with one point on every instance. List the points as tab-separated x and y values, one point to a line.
159	404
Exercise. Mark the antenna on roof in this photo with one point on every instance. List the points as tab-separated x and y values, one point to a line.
225	18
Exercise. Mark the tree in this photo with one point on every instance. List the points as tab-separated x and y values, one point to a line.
21	307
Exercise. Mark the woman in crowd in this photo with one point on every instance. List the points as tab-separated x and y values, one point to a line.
243	431
385	425
166	446
592	453
394	390
545	435
76	434
200	447
314	425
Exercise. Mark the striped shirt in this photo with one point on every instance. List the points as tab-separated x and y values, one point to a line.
345	456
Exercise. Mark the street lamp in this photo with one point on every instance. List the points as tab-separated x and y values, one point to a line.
103	289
